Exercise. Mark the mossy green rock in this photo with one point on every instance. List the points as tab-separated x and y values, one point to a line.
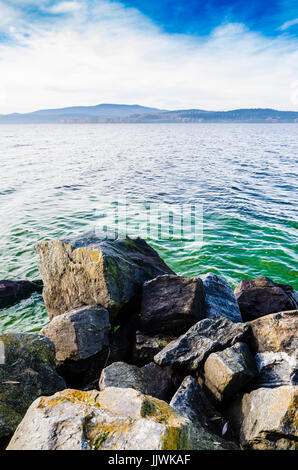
27	371
122	419
113	419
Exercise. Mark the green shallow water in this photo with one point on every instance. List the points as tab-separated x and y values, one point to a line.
58	181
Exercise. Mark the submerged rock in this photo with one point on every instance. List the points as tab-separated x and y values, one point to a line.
89	270
14	291
147	346
192	349
121	419
228	371
171	304
150	379
220	299
262	296
80	333
267	418
27	370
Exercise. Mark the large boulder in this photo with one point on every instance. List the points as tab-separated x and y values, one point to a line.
120	419
275	333
171	304
262	296
79	333
228	371
191	402
220	299
147	346
14	291
267	418
89	270
27	371
192	349
150	379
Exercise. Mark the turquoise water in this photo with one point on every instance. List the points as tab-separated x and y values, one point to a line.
55	181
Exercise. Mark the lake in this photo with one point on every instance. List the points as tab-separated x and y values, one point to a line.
57	180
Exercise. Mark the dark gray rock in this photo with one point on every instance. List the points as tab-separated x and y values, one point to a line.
14	291
228	371
158	380
27	371
150	380
219	298
191	402
192	349
262	296
147	346
96	271
120	374
122	341
171	304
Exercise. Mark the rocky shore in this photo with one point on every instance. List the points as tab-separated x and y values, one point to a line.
137	357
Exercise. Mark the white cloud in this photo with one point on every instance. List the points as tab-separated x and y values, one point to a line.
116	55
65	7
288	24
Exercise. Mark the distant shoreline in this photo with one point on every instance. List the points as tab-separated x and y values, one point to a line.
136	114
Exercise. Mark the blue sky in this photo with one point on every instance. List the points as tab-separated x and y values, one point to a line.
172	54
200	17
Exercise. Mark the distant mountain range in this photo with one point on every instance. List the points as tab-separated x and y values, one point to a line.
118	113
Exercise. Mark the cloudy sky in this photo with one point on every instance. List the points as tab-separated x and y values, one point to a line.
207	54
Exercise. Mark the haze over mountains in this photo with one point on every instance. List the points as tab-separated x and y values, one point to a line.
121	113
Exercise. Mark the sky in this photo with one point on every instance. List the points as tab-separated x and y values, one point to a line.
170	54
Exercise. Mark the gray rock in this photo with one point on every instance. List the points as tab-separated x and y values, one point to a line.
191	402
219	298
267	418
228	371
92	271
276	369
151	379
209	335
120	374
27	370
262	296
119	419
171	304
79	333
277	332
147	346
14	291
